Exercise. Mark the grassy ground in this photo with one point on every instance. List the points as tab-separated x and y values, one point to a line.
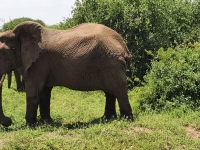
77	125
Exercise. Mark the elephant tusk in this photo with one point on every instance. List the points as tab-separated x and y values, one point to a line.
2	79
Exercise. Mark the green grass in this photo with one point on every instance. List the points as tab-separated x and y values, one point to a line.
77	125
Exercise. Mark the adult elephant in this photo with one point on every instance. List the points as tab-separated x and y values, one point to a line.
86	57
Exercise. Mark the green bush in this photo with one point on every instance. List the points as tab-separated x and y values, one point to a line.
173	81
144	25
13	23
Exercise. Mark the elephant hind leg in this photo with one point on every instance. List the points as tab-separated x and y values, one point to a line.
116	83
44	104
124	105
110	111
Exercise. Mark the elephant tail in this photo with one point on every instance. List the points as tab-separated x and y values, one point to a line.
128	59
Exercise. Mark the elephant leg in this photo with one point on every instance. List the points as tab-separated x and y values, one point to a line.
9	79
35	81
45	97
32	100
110	111
5	121
121	93
19	83
124	105
116	83
32	103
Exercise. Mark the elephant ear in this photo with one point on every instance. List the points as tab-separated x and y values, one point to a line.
29	36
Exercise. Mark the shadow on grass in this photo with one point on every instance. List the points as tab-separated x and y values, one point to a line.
56	123
79	124
83	125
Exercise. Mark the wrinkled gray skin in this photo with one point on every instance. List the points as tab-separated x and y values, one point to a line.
87	57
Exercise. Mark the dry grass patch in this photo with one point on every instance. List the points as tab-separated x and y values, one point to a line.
1	143
192	132
135	130
54	136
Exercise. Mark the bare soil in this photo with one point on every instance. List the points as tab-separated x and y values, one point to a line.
192	132
1	143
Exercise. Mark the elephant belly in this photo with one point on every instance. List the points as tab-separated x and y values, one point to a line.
74	82
78	75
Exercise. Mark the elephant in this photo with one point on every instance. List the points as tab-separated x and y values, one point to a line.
19	81
86	57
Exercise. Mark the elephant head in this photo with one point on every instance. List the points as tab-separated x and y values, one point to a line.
8	50
14	54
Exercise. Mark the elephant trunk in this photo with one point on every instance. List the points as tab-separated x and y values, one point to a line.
5	121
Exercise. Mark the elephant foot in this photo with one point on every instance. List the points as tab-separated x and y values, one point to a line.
30	122
109	117
31	125
45	120
6	122
127	117
122	116
38	123
21	89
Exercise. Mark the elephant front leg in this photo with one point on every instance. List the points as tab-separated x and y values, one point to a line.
110	110
32	103
45	97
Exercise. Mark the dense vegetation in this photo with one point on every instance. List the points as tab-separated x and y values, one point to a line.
13	23
173	81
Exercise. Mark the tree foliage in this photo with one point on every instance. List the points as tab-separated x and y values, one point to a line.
145	25
13	23
173	81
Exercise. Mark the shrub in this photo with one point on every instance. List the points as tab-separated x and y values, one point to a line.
13	23
173	81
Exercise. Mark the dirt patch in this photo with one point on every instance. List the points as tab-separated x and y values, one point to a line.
1	143
192	132
54	135
135	130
